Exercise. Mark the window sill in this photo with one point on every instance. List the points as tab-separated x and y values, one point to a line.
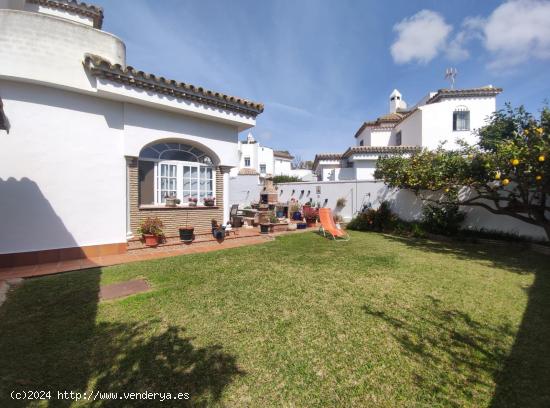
178	207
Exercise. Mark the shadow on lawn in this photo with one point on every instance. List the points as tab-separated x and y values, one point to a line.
522	375
50	341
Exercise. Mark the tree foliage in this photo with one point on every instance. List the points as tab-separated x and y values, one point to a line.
507	171
286	179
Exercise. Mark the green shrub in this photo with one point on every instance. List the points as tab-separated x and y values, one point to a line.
286	179
442	219
381	219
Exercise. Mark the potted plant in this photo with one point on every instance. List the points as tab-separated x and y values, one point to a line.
311	220
295	211
209	201
192	201
310	215
171	201
187	233
151	230
264	228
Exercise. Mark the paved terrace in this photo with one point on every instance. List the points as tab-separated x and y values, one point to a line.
137	252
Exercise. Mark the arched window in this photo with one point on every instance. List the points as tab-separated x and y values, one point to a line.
461	118
175	170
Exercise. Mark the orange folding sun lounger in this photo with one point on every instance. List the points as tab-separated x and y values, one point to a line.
328	226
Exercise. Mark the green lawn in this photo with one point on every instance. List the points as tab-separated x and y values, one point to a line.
377	321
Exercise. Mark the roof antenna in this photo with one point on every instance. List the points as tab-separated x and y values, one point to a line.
450	74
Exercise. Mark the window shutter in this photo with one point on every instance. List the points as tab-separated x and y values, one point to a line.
146	182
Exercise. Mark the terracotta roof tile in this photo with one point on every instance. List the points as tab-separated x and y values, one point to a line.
380	149
464	93
248	172
77	7
102	68
283	153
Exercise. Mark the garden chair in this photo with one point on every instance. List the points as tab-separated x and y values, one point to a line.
329	227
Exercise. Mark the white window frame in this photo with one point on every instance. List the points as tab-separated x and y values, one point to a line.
179	181
249	161
265	168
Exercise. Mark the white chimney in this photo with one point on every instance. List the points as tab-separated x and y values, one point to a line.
397	102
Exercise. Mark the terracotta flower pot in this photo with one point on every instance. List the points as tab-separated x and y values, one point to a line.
151	240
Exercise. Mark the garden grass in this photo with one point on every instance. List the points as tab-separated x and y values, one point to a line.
301	321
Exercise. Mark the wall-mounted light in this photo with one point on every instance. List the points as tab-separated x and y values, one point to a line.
293	191
281	192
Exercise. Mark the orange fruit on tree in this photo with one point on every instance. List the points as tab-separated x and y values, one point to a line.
526	131
538	178
505	182
541	158
514	162
539	130
497	175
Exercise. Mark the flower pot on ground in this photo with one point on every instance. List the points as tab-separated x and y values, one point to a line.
192	202
151	240
291	227
186	234
264	228
311	222
151	230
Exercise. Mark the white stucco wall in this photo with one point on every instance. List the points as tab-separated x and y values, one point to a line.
62	170
282	167
39	47
265	156
404	203
364	169
382	138
244	189
437	120
143	126
411	130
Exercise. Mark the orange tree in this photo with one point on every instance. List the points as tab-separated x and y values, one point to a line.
507	172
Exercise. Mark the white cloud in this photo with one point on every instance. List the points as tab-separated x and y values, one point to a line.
517	31
456	48
514	33
420	37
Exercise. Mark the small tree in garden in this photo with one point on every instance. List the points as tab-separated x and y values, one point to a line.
507	172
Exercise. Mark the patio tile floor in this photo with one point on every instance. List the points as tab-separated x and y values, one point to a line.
136	253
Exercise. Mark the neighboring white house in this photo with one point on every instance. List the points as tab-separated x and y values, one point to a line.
265	162
444	116
90	147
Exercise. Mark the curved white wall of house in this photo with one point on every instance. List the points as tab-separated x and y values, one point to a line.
62	170
49	49
143	126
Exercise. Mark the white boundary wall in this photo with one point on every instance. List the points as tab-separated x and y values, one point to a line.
404	203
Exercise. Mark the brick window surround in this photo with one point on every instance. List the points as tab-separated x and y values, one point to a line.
173	218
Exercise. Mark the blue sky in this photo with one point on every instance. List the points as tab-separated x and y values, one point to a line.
323	67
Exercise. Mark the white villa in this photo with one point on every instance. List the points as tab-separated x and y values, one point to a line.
262	161
90	146
444	116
